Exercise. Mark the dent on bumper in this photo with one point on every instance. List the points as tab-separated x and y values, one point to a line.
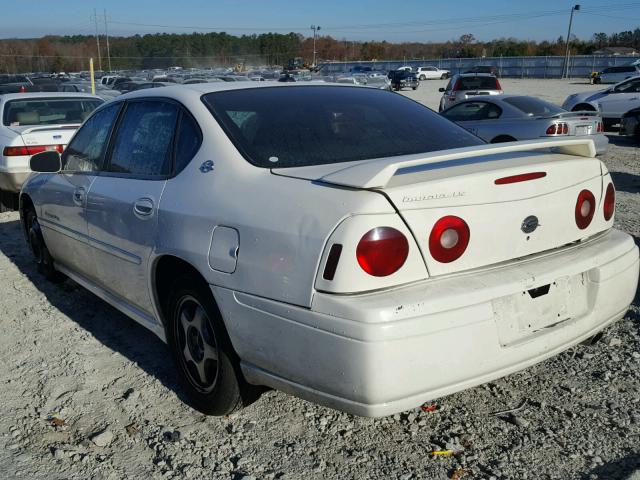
384	352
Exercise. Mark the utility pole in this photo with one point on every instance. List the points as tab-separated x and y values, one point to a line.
106	32
315	32
565	69
95	19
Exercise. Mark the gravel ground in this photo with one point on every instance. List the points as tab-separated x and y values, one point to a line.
88	393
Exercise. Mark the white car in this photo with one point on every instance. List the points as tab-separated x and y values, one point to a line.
611	102
617	74
290	235
32	123
431	73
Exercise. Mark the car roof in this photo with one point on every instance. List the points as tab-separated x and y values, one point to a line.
26	96
198	89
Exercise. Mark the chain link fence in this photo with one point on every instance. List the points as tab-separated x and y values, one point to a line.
580	66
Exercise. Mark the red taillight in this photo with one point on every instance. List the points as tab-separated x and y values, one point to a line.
523	177
456	86
22	89
558	129
30	150
449	239
382	251
609	202
599	127
498	86
585	207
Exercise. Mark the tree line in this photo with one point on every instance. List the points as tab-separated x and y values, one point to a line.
162	50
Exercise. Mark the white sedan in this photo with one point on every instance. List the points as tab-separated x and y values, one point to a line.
32	123
340	243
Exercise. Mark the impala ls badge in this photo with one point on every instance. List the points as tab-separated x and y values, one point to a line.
207	166
529	224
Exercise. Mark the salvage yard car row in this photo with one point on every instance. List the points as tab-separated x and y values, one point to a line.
428	239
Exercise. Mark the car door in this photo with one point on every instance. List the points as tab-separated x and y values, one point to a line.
62	196
477	117
619	99
122	207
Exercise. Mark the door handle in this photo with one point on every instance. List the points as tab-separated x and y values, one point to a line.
78	195
143	207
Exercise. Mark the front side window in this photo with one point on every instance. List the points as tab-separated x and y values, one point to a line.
86	150
468	111
143	144
315	125
630	86
48	111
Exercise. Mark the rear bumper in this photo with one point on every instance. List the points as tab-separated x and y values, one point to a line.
384	352
13	181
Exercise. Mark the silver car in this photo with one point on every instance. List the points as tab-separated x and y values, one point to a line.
611	102
617	74
468	85
507	118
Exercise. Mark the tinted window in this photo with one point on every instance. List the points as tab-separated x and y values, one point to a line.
86	151
48	111
188	141
144	139
475	83
315	125
473	111
533	107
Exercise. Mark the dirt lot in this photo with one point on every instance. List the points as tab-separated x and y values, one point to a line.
71	367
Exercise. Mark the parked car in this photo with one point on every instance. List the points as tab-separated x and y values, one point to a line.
490	69
431	73
32	123
507	118
407	240
14	84
612	102
403	78
617	74
466	85
85	87
630	123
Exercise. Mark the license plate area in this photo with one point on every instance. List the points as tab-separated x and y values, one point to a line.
538	308
583	129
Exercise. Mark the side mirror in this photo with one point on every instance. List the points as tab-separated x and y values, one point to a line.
46	162
441	89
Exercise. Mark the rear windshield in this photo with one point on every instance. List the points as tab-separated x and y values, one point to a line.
533	107
316	125
48	111
476	83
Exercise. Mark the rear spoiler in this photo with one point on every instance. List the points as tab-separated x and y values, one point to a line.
377	173
582	113
51	127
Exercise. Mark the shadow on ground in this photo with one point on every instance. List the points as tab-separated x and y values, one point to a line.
112	328
626	182
621	469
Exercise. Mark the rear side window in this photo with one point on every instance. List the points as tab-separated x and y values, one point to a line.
86	150
314	125
478	83
188	141
533	107
143	144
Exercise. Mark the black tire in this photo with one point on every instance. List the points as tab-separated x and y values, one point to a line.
223	389
422	78
415	88
596	81
503	139
43	258
444	76
8	201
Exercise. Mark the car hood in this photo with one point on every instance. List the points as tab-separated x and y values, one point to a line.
588	96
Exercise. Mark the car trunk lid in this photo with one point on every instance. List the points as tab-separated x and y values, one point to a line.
509	216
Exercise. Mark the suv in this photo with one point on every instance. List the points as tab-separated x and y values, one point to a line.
403	78
467	85
431	73
617	74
